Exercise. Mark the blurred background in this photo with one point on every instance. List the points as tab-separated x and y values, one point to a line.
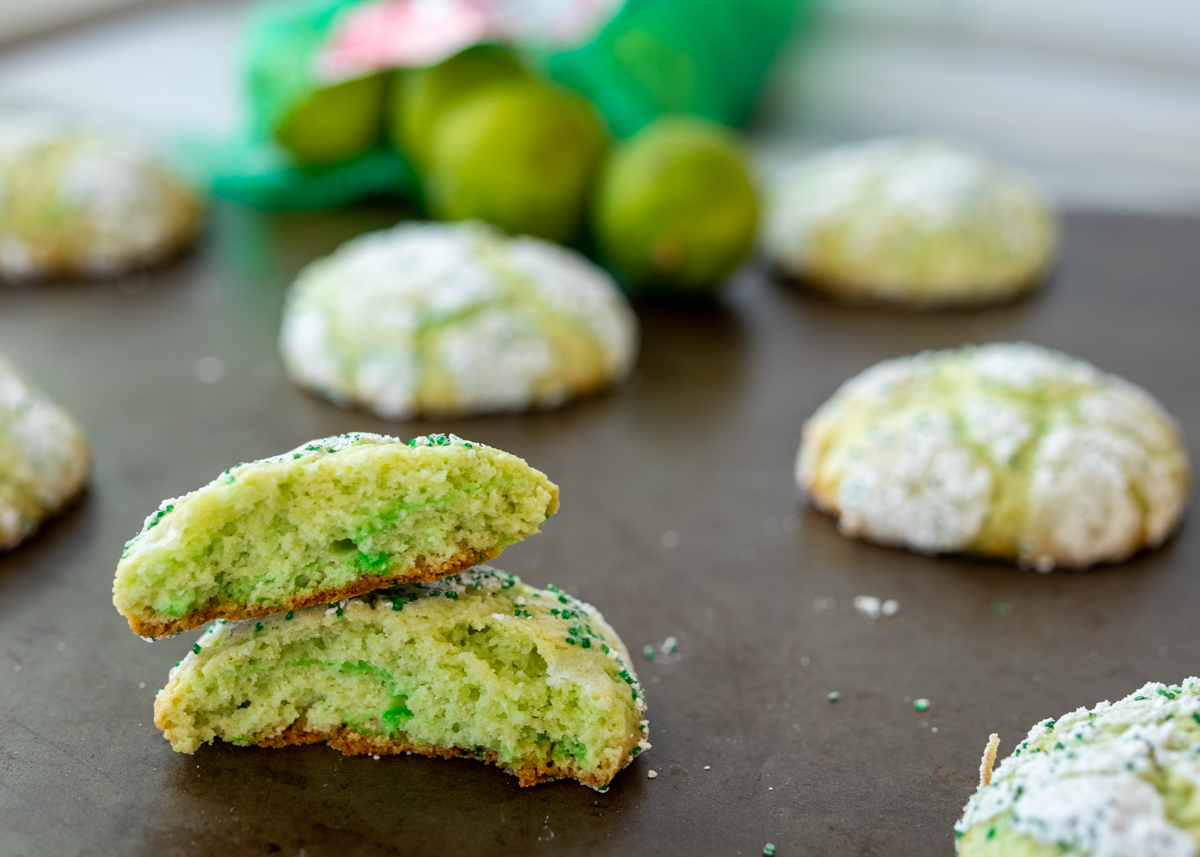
1100	101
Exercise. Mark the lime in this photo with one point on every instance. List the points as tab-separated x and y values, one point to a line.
674	209
522	155
336	123
419	97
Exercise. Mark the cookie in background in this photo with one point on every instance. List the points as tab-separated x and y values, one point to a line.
79	199
917	223
455	319
44	457
1007	450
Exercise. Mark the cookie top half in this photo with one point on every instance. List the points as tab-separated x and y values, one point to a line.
917	222
441	319
82	200
334	518
1121	779
1007	450
44	457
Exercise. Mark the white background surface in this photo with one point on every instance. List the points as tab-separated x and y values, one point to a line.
1100	99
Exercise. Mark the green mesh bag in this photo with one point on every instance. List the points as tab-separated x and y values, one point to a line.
706	57
281	48
262	175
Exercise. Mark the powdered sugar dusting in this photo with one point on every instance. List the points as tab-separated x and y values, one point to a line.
455	318
1093	780
1008	448
919	221
44	457
76	199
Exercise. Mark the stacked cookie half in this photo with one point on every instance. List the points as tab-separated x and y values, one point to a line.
347	604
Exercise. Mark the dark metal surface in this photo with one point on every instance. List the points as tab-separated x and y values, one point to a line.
701	443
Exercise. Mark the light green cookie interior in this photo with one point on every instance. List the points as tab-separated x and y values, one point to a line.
479	661
266	534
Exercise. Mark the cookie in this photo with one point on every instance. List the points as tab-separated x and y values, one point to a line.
477	665
1117	780
77	200
44	457
1006	450
331	519
453	319
913	222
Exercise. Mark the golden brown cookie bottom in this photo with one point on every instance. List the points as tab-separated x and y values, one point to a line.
231	611
352	743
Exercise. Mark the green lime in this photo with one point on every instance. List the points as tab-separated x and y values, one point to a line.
522	155
419	97
336	123
674	210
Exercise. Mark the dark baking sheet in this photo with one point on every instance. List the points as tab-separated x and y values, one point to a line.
700	443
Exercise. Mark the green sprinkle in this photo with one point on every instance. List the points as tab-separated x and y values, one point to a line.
196	648
1059	746
453	596
769	849
1166	693
258	626
570	641
648	652
604	648
833	697
1050	724
467	444
297	455
921	704
289	615
1196	716
412	442
1139	697
340	612
586	642
397	604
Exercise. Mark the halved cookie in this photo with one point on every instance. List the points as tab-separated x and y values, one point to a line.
477	665
332	519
